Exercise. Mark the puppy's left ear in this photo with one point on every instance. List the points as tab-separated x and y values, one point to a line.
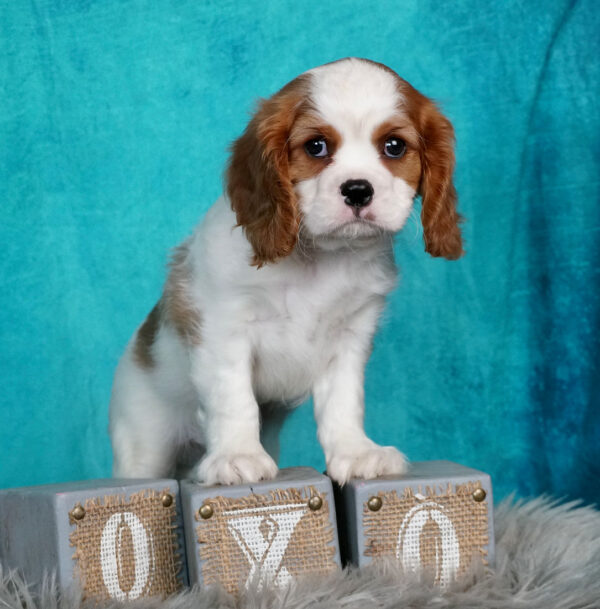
439	216
258	180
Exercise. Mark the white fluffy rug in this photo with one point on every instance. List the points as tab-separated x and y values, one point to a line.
548	557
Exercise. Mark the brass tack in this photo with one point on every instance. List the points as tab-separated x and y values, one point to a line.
479	494
78	512
206	511
167	499
374	503
315	503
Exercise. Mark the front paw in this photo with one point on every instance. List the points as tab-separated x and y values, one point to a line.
368	462
236	468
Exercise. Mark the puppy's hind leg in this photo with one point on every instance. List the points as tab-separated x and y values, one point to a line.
143	436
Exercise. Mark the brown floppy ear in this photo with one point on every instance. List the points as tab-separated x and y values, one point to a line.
258	182
439	216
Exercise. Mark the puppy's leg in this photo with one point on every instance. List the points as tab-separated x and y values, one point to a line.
338	396
142	432
229	414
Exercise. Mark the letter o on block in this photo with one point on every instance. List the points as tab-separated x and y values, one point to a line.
445	550
126	548
438	518
113	562
114	538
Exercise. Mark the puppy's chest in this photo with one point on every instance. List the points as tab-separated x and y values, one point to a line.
294	332
288	319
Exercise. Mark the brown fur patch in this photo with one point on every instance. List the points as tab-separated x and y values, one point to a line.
146	335
174	308
408	166
177	303
308	126
258	178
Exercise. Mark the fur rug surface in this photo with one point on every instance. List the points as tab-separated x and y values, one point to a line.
547	557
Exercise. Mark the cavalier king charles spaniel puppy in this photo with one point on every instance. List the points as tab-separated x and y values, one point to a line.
278	292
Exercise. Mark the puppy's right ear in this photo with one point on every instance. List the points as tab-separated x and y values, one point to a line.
258	182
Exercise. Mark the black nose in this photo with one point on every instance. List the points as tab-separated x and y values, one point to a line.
357	193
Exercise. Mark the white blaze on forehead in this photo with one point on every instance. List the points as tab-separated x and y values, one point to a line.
354	96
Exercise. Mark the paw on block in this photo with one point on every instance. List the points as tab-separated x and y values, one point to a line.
118	539
438	517
271	531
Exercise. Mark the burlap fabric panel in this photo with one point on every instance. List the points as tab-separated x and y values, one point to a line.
260	538
441	532
127	548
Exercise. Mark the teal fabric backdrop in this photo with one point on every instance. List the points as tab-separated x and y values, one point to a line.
115	118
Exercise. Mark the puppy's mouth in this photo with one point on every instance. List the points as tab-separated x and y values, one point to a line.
358	227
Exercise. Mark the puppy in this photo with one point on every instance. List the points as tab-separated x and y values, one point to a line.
278	292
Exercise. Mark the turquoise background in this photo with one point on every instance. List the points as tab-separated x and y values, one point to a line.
115	118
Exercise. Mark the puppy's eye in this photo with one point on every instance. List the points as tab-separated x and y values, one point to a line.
394	147
316	147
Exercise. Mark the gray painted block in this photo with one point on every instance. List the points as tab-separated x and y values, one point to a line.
428	517
140	552
269	531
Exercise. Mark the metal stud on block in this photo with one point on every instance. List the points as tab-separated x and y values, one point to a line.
438	517
120	539
315	503
271	531
206	511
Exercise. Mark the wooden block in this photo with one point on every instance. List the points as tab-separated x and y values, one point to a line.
271	531
119	539
438	516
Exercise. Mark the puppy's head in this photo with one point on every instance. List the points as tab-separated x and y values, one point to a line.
338	155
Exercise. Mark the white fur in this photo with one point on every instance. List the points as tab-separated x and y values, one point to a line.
275	334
